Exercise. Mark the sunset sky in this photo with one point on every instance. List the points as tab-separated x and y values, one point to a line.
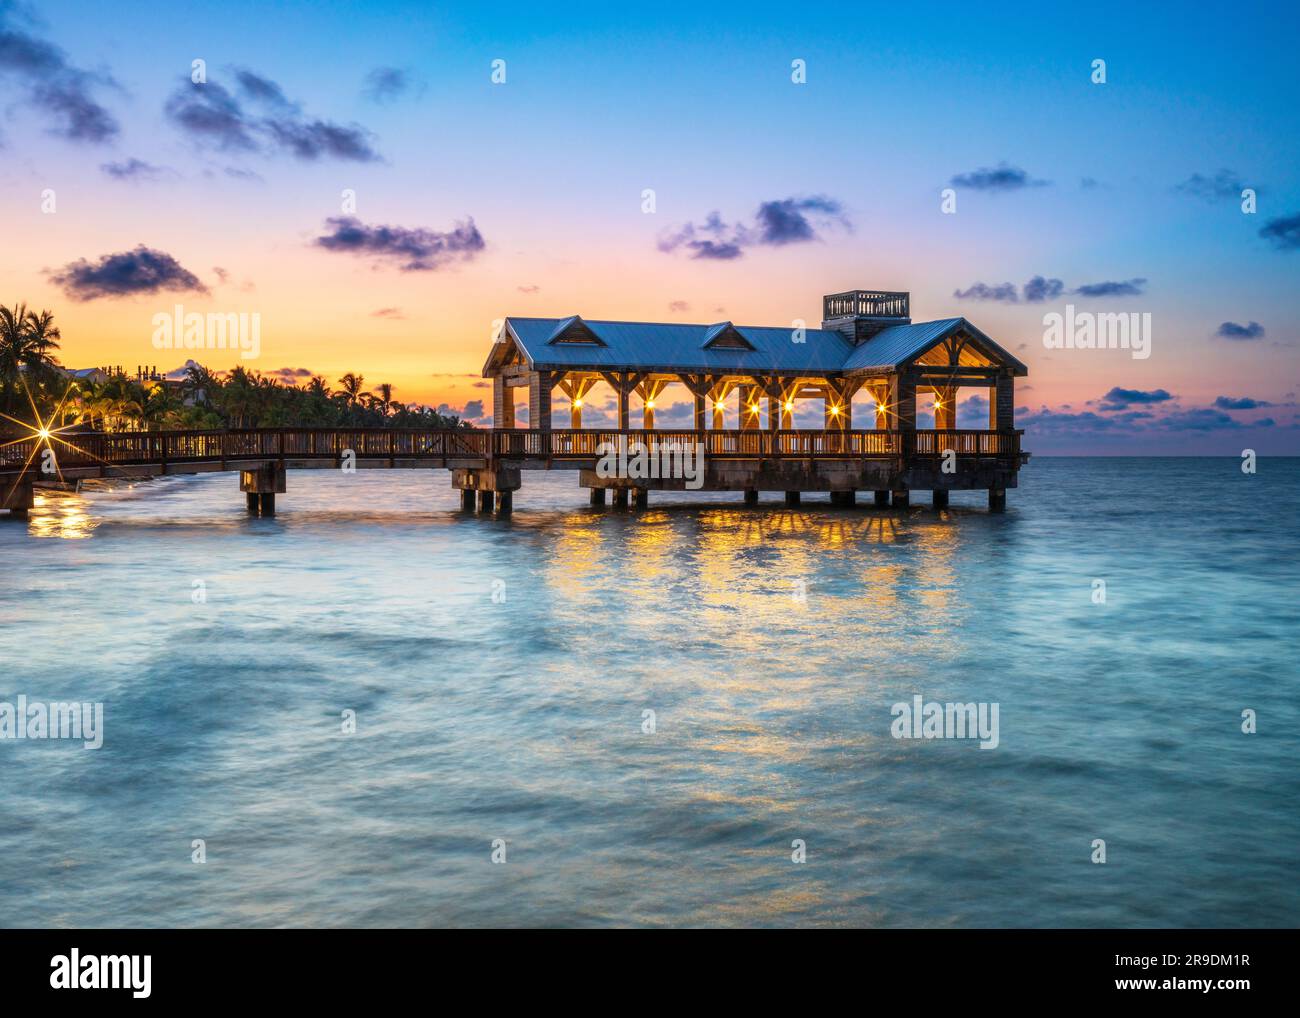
476	200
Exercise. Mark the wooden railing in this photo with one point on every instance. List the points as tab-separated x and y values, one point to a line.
76	449
882	303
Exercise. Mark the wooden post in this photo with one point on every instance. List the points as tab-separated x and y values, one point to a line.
503	403
940	498
880	393
642	497
997	499
597	496
575	389
505	502
749	408
1002	403
467	500
252	501
902	402
18	497
945	407
649	391
902	498
718	395
792	498
620	498
882	498
751	496
540	384
486	501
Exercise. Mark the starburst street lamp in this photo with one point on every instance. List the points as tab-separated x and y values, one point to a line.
43	432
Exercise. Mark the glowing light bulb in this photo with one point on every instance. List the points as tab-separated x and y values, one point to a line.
43	433
789	404
649	404
577	402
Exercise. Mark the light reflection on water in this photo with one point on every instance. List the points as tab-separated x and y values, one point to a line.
523	720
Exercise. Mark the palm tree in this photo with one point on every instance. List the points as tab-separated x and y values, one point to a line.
13	337
43	336
198	383
383	396
352	385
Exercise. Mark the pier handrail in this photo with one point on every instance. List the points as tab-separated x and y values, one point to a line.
90	448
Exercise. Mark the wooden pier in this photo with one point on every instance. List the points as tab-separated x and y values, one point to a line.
753	375
492	463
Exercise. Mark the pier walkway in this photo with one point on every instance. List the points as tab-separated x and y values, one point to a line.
488	465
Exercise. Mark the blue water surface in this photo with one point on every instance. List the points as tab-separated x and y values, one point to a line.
501	670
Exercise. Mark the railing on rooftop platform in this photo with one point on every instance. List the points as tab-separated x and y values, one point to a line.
868	303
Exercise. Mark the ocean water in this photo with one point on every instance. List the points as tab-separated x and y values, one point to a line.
770	644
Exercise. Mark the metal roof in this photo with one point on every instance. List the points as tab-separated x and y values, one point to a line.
671	347
899	343
667	347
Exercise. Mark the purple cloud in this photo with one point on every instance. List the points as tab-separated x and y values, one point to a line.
414	250
126	274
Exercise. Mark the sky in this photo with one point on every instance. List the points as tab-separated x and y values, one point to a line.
383	182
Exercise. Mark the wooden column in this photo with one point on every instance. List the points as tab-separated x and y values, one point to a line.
699	387
718	395
880	393
778	395
1002	403
503	403
649	391
749	408
623	383
902	402
539	400
839	397
945	407
575	389
19	497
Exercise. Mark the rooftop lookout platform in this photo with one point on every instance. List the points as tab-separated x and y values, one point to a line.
749	377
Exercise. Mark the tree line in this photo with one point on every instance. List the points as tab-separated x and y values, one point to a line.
32	382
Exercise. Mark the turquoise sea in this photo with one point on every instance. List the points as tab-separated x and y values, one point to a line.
501	672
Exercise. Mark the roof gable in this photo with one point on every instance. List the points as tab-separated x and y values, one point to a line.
573	330
725	336
903	344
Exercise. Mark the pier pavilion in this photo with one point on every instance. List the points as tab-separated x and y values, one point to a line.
754	376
